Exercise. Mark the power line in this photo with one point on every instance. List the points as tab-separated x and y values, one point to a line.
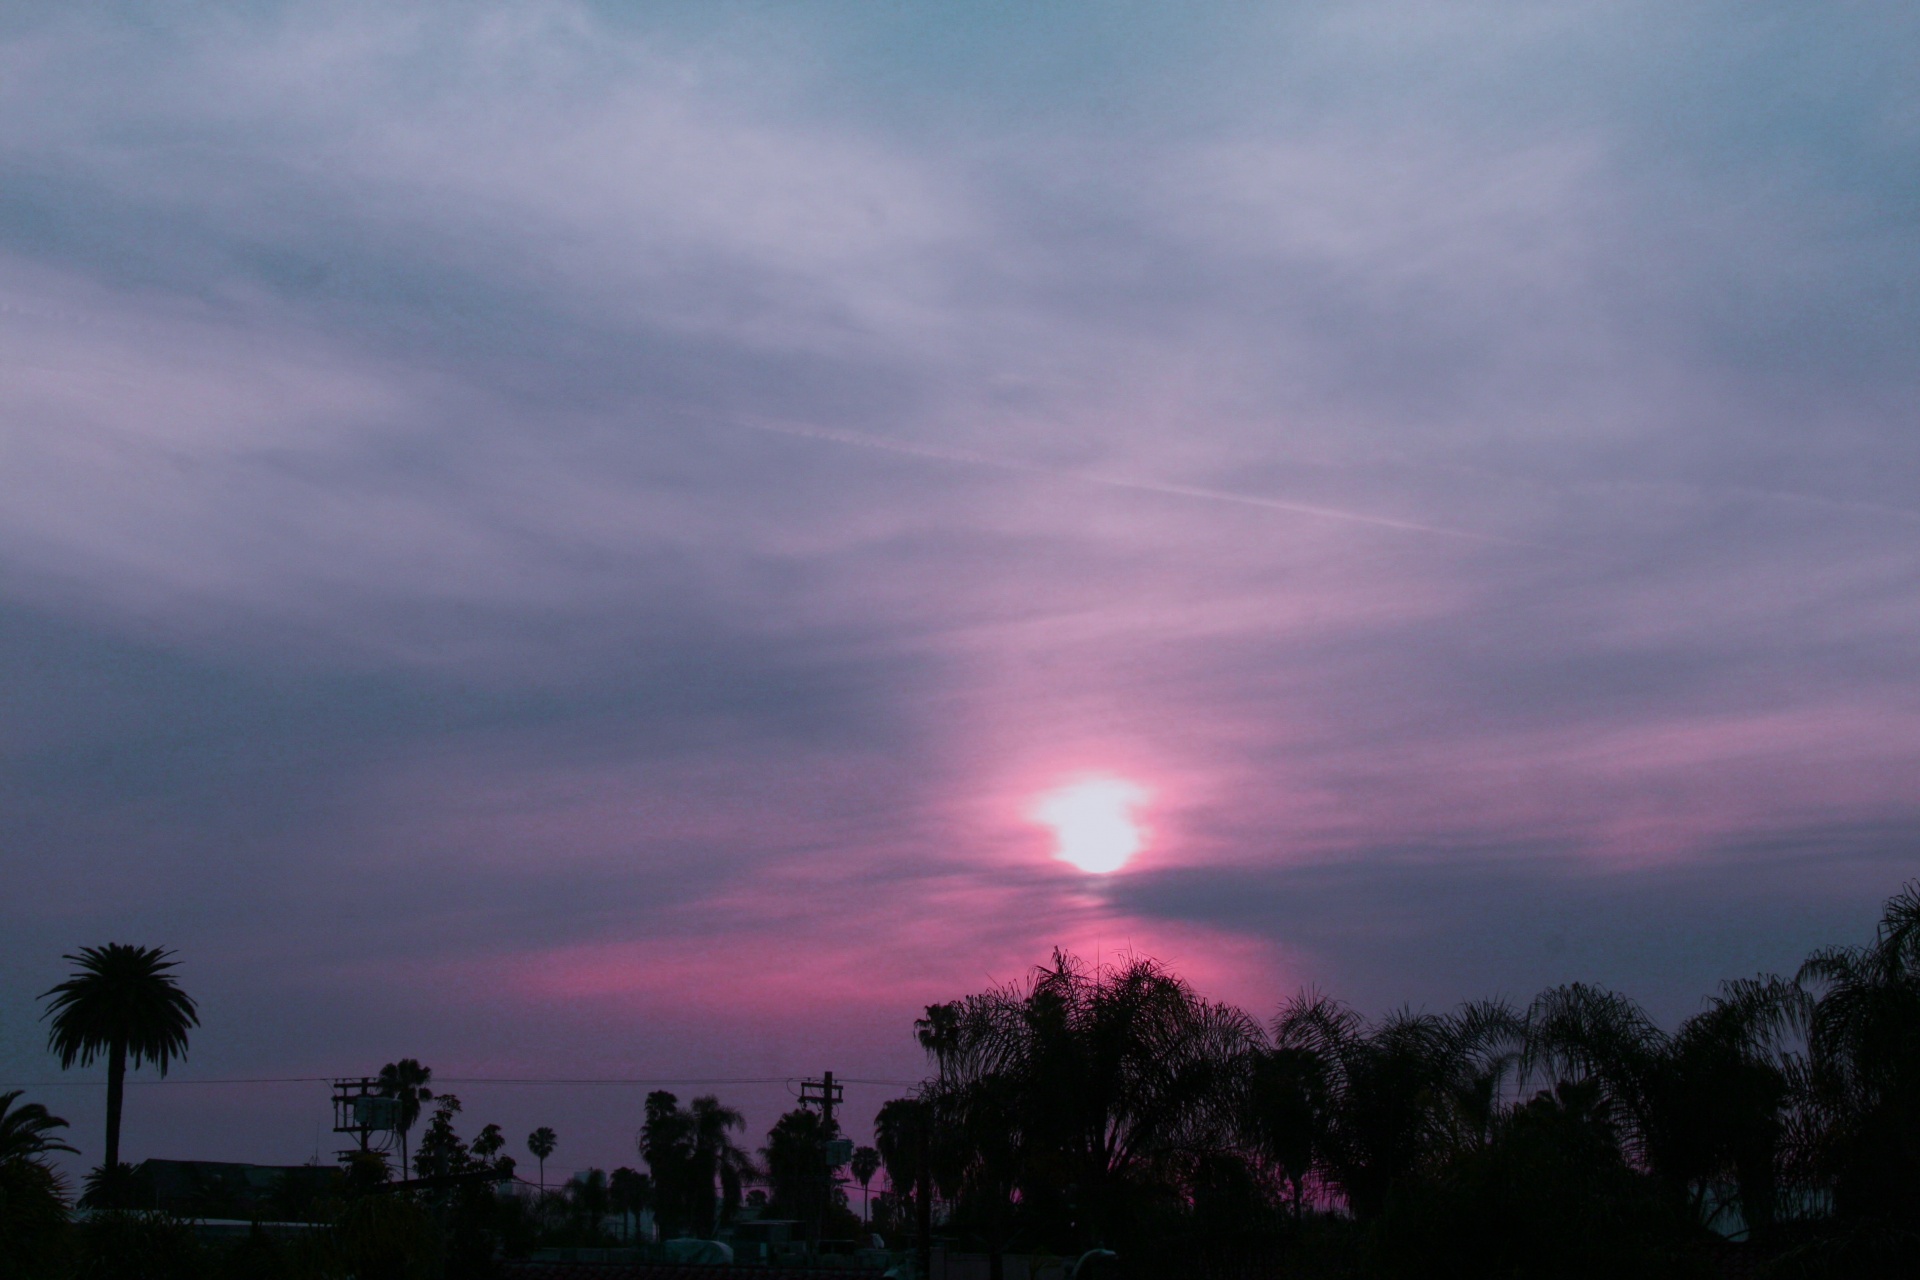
505	1080
95	1084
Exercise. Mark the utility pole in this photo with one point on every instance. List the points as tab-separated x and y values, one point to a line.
824	1093
360	1109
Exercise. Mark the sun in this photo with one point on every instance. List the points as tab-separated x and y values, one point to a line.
1093	824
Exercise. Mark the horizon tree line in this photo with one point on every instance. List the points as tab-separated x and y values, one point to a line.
1114	1105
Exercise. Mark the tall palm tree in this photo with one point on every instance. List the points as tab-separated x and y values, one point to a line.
666	1144
865	1163
903	1134
540	1144
121	1003
897	1136
717	1158
406	1082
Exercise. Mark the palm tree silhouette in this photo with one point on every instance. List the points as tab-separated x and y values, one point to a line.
1862	1072
1288	1115
1373	1105
666	1144
627	1189
406	1082
798	1173
865	1163
1697	1107
590	1200
903	1135
716	1158
1107	1074
33	1212
540	1144
121	1003
26	1132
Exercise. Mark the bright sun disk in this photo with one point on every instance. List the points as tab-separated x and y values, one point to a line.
1093	824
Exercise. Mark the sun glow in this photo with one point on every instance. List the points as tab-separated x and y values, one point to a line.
1093	824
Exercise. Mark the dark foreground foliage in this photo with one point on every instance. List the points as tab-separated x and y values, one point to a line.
1774	1133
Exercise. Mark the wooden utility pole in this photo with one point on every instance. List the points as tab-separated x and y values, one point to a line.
824	1093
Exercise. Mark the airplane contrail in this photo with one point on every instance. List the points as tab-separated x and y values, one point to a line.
859	440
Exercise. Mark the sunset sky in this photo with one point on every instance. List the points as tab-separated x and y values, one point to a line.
588	541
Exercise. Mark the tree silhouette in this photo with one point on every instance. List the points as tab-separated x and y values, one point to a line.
628	1191
1718	1098
27	1132
1388	1103
488	1142
1860	1086
698	1168
441	1150
115	1186
1581	1138
540	1145
903	1134
1106	1078
796	1158
406	1082
589	1198
121	1003
666	1144
32	1209
718	1163
1701	1107
1288	1116
865	1163
1549	1193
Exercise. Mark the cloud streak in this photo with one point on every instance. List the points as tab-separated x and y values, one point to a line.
936	453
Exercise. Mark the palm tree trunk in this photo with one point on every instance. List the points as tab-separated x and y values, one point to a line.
116	1095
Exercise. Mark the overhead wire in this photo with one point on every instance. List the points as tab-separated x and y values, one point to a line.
503	1080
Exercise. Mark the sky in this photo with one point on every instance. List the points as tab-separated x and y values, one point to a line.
580	541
